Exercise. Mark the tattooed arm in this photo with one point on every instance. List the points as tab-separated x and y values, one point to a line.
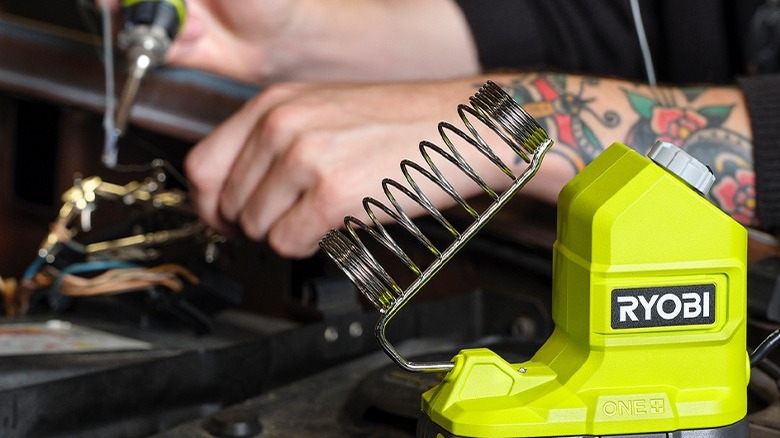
585	115
299	157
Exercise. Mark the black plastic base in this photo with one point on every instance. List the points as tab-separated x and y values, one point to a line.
426	428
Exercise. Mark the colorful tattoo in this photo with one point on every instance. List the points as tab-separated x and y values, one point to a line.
699	130
559	105
560	113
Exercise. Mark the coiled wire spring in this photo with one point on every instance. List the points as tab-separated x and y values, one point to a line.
498	111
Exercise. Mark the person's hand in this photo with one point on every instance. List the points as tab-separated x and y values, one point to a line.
296	159
263	41
234	39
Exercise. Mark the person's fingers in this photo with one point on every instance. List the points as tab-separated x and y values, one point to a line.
206	171
220	38
279	191
186	48
271	136
209	165
297	232
330	178
298	158
248	170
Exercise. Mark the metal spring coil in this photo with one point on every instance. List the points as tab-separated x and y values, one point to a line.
496	110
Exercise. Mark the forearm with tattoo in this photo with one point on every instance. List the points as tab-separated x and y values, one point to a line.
584	115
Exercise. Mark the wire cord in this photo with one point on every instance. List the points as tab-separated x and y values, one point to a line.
763	349
643	44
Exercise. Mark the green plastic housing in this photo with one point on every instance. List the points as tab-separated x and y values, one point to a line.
625	225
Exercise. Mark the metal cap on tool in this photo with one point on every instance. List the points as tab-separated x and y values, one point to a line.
682	164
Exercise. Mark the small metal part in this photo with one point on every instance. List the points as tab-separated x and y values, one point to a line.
149	29
211	253
331	334
80	202
356	329
146	48
86	216
496	110
237	422
524	327
146	239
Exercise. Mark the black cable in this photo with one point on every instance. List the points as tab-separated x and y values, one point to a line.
763	349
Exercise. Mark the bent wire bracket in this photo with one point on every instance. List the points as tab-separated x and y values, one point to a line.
498	111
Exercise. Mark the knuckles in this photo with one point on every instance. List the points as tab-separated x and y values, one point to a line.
249	225
289	247
288	129
197	169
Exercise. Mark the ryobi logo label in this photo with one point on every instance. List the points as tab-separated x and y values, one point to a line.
663	306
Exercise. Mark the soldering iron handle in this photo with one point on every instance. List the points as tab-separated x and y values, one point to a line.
167	14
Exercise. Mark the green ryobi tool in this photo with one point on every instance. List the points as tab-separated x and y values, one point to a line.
649	302
649	299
